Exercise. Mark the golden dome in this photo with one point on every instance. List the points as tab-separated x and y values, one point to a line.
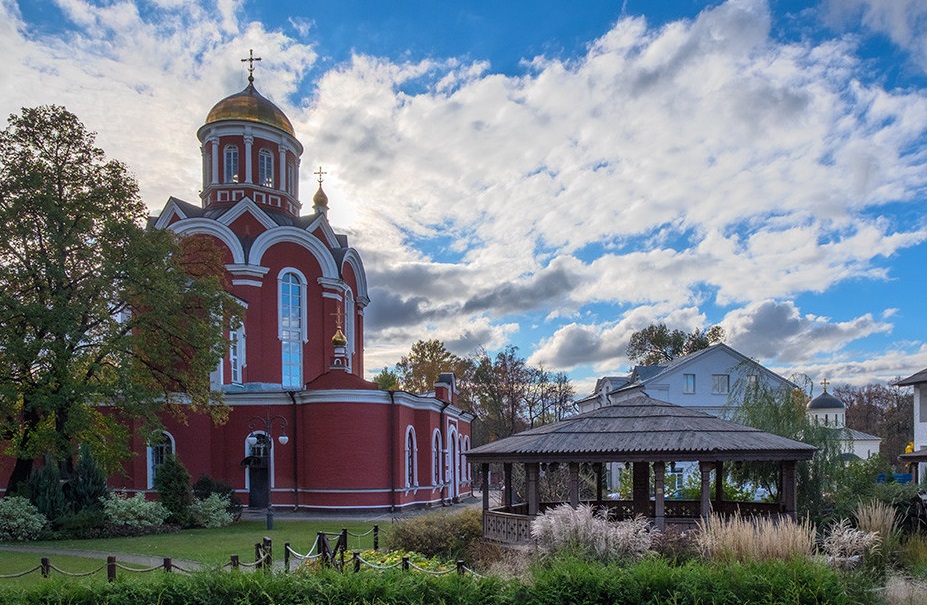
249	106
339	339
320	199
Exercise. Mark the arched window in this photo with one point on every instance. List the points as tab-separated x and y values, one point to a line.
159	449
292	327
468	470
436	458
265	168
231	164
290	179
260	449
411	458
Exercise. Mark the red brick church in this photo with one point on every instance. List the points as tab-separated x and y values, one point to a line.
302	416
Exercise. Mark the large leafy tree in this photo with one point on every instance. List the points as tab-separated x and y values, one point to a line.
887	412
100	319
419	370
658	344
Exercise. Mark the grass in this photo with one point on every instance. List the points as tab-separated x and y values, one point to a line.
18	562
747	539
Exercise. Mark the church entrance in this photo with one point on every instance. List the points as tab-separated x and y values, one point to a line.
257	483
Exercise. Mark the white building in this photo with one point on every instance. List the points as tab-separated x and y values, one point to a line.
919	455
830	411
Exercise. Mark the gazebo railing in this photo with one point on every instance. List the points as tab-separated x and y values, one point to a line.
624	509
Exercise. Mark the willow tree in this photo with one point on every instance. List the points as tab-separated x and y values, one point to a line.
100	319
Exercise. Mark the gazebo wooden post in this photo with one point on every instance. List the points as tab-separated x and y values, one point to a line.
598	483
789	495
574	484
531	476
719	486
484	471
641	488
659	471
507	487
705	469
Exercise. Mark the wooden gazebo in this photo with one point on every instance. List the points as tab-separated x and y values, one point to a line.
647	434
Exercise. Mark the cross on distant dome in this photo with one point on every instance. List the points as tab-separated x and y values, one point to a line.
251	59
319	174
824	383
339	317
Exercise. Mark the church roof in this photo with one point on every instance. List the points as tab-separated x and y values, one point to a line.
642	428
826	401
250	106
918	378
335	380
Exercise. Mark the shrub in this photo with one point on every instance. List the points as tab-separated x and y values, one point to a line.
85	523
750	539
133	512
88	486
585	533
439	534
20	519
210	512
206	485
172	482
46	493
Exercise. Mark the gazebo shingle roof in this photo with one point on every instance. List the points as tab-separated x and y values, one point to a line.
642	429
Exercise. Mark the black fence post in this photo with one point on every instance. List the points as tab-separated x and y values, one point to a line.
258	560
46	567
111	568
268	548
233	561
356	561
286	557
376	537
343	540
168	565
460	567
405	564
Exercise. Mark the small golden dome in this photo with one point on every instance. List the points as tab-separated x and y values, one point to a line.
339	339
249	106
320	199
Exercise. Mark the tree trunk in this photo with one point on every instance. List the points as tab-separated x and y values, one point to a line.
21	471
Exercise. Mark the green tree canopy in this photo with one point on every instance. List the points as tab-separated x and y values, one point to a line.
658	344
418	371
94	309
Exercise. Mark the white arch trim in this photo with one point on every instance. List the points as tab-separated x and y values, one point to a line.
297	236
411	478
207	226
149	460
352	258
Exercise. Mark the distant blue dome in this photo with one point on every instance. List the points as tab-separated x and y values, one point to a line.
826	401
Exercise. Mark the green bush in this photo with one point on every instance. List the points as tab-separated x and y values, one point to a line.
88	486
20	519
46	493
560	582
85	523
210	512
172	482
134	512
206	485
438	534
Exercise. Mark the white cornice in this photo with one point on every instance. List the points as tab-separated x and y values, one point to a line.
208	226
298	236
321	222
247	270
243	206
170	209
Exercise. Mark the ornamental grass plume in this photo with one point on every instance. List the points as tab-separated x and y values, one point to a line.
878	518
587	533
743	539
844	544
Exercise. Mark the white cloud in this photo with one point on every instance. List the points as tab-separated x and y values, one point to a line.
902	21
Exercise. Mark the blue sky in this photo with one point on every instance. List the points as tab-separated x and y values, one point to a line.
555	176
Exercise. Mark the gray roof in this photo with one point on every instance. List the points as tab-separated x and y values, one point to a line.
826	401
641	429
913	379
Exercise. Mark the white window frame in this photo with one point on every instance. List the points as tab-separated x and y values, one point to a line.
411	458
238	358
150	456
436	455
265	168
230	164
686	387
720	384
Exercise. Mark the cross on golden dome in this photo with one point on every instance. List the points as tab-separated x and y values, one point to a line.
250	60
319	174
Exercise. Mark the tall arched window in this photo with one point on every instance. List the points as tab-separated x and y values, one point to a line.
436	458
292	315
237	353
411	458
290	179
231	164
159	449
265	168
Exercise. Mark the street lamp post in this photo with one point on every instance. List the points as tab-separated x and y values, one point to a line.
267	422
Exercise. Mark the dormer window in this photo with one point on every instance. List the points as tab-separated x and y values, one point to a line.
265	168
231	164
